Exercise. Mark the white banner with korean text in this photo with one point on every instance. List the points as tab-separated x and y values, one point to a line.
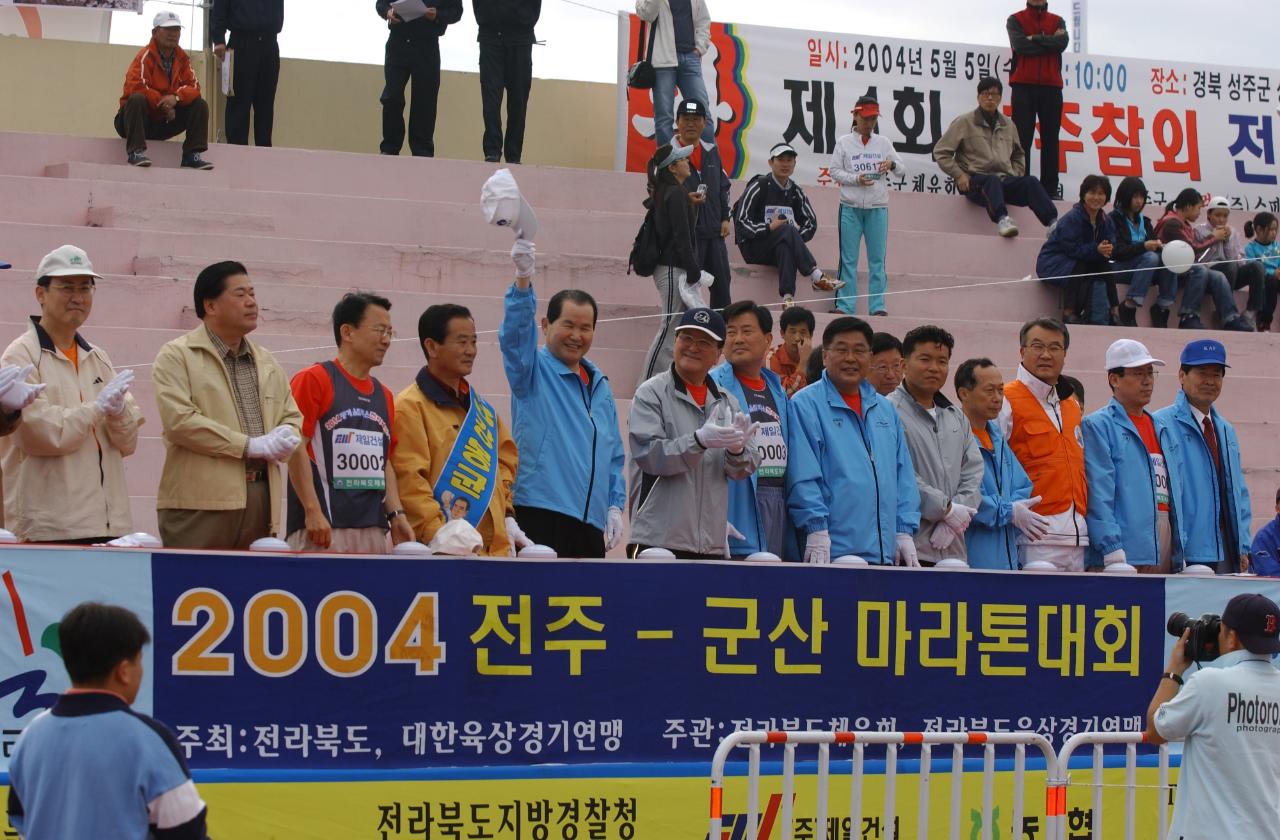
1174	123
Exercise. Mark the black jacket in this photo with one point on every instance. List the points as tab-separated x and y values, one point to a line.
507	22
763	191
673	221
447	12
244	16
1125	247
716	208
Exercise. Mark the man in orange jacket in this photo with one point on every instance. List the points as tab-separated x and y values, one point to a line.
162	99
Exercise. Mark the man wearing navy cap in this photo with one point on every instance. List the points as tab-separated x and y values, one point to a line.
688	438
1212	493
1228	717
708	186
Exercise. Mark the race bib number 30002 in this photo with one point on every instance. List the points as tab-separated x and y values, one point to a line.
359	460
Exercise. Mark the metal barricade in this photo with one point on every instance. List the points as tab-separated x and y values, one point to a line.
1098	740
892	741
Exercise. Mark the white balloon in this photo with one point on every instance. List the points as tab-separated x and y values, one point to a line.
269	544
538	552
765	556
850	560
951	563
1178	256
411	548
656	554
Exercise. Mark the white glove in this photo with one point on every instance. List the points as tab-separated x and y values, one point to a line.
111	398
691	294
706	279
275	446
942	536
1117	556
730	532
612	528
959	517
516	537
817	547
1034	525
742	422
522	255
906	552
714	436
16	393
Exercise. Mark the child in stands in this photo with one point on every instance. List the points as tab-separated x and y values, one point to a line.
1263	247
1226	254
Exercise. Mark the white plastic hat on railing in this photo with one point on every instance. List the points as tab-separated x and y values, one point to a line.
537	552
851	560
655	554
1120	569
1197	570
1039	566
951	563
138	539
7	536
412	548
765	556
269	544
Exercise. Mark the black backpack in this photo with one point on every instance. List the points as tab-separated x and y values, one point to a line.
645	251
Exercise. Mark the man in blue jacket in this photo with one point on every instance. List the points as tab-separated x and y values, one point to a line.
1212	495
1131	460
764	507
869	501
992	537
570	489
1266	547
712	203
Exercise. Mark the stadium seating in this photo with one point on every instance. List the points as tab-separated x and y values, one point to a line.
311	225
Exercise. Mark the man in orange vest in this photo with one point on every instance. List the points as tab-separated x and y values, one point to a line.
1038	38
1041	422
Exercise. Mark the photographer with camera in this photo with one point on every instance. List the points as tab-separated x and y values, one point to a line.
1229	718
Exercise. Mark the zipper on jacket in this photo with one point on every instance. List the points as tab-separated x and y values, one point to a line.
591	477
875	477
1000	493
1075	515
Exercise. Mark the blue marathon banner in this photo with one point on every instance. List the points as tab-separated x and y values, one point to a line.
278	662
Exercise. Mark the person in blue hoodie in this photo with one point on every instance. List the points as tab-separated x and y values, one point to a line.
1077	254
1213	496
570	488
1132	463
869	500
1007	504
1265	553
765	507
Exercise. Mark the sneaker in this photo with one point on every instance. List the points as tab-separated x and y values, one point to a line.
1238	324
194	161
139	159
1190	321
1251	319
1048	232
1128	316
1264	326
827	283
492	159
1006	227
1159	317
787	302
879	312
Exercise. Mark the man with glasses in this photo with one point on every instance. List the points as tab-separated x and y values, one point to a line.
1041	422
64	464
688	439
1212	494
343	495
981	152
886	371
1131	462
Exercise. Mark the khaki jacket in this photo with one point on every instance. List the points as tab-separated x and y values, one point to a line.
204	447
969	147
8	422
426	427
64	464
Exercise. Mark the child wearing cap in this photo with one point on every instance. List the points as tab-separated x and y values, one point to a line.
861	165
1225	254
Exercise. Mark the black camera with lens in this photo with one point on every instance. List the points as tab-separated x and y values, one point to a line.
1202	644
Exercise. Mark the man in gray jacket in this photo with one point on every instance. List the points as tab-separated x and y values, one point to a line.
688	439
943	449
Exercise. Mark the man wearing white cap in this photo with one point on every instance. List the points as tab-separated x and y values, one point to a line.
773	220
1131	460
64	465
162	99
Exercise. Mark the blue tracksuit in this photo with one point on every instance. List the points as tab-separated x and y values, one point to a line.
991	539
1122	488
801	467
868	485
1265	557
571	455
1198	498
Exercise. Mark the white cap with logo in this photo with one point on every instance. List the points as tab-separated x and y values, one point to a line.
1127	353
165	20
503	205
67	261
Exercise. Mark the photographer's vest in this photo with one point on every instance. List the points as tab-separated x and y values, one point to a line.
1054	460
352	442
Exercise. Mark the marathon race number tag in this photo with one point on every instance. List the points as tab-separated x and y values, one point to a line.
359	459
1162	479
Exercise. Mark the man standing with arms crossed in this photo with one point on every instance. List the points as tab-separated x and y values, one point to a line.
1041	422
1038	39
570	489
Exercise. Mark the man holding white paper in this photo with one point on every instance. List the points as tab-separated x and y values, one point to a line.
413	54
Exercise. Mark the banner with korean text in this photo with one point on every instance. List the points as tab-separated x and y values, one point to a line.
1175	123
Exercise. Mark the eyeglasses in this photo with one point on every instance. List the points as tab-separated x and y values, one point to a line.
70	289
383	332
1039	348
840	351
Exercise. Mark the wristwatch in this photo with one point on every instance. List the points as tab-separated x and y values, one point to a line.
1170	675
391	517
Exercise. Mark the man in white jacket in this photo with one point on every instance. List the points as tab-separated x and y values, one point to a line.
64	464
682	36
861	165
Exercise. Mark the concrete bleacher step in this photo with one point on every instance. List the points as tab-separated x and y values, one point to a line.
124	172
180	221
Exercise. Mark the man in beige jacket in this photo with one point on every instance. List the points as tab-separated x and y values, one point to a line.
64	464
229	419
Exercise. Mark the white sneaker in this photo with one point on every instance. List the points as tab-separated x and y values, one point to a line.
787	302
1048	232
1006	227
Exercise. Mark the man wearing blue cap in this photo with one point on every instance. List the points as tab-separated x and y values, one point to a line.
1212	493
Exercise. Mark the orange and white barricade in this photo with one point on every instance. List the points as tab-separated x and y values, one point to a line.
892	741
1098	740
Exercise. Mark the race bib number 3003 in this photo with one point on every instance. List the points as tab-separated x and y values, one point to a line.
359	460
